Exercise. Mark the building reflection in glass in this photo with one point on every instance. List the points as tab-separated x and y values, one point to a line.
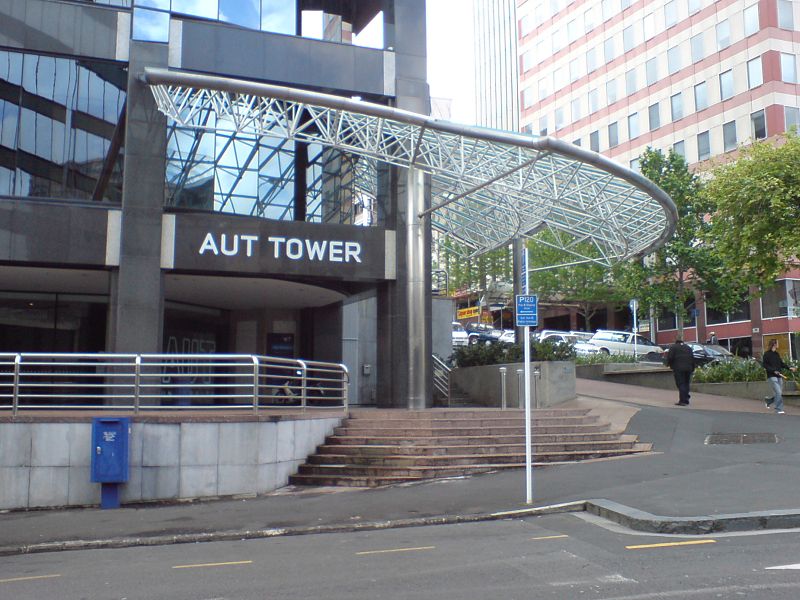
58	126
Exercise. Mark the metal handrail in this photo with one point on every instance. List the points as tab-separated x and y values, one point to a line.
441	377
168	381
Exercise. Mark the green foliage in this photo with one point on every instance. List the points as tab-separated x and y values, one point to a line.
756	203
479	355
601	358
730	371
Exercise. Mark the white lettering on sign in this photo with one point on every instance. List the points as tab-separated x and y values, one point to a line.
297	249
228	249
109	436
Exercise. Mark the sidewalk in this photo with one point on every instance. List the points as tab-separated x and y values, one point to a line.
683	479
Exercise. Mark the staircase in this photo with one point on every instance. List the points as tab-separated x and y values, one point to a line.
375	447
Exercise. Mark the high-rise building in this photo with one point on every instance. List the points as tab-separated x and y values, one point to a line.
617	76
700	77
496	90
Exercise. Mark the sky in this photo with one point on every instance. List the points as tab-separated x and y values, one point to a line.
451	56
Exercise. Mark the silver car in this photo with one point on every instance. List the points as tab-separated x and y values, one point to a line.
622	342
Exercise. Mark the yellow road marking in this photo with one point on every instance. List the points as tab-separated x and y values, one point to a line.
395	550
219	564
550	537
31	578
670	544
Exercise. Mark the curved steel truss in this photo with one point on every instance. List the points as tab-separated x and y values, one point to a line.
488	186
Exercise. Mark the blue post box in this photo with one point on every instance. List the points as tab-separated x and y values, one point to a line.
110	457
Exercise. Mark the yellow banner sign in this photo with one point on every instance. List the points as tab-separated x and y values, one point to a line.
468	313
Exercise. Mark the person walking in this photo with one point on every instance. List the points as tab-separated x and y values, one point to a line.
712	339
773	364
680	359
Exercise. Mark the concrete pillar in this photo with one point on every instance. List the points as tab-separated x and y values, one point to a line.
136	307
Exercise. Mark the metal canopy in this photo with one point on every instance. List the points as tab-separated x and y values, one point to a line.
488	186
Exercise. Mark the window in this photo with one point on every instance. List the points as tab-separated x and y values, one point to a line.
726	85
609	8
608	50
576	142
559	78
541	51
613	134
785	14
700	96
679	148
625	4
526	24
594	141
633	125
634	164
575	107
791	117
654	116
703	146
740	313
560	118
729	136
589	19
543	125
754	75
527	61
628	38
676	106
544	88
611	91
557	40
780	300
751	19
150	25
594	100
698	48
649	22
591	59
674	59
631	83
788	68
574	69
694	6
651	69
670	13
759	125
572	30
723	34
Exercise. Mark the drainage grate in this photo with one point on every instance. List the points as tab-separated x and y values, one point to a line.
741	438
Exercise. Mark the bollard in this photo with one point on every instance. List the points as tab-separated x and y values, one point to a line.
503	387
520	388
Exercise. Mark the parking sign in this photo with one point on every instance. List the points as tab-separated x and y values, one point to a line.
527	310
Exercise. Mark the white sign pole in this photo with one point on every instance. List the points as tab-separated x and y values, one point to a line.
528	436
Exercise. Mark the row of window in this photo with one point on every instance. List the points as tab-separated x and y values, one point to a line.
696	48
587	105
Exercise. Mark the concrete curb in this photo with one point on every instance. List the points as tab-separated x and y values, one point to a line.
618	513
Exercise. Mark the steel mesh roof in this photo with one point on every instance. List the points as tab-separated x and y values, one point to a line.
487	186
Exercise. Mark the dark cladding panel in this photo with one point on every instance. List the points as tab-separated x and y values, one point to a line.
234	52
52	233
59	28
214	243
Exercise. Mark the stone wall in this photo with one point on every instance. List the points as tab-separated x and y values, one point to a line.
555	385
47	464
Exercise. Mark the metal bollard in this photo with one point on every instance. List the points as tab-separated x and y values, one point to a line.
520	388
503	387
536	375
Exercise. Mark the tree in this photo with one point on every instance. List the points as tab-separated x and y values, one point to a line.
756	202
587	286
669	278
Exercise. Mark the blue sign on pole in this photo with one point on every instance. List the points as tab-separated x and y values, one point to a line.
527	310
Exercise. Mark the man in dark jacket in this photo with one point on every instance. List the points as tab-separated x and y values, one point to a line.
681	360
773	364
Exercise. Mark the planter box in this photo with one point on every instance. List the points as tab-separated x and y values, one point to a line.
555	385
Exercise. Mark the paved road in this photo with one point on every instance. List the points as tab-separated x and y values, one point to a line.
557	556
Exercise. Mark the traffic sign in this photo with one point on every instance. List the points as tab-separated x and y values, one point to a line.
527	310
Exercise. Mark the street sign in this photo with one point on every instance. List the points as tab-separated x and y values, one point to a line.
634	305
527	310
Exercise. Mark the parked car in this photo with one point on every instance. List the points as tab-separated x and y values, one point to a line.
581	348
708	353
622	342
482	333
507	337
460	335
583	336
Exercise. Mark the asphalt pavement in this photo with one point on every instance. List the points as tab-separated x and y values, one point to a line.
688	484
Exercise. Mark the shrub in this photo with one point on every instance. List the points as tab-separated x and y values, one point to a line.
479	355
730	371
602	358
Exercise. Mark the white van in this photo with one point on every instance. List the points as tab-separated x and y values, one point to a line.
460	335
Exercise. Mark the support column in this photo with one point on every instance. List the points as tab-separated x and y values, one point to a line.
136	307
418	293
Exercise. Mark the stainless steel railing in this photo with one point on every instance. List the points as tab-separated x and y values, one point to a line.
168	381
441	378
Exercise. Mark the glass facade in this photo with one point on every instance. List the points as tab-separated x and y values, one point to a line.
58	127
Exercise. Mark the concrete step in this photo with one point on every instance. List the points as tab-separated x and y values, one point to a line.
452	440
413	432
458	413
348	480
413	424
612	441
